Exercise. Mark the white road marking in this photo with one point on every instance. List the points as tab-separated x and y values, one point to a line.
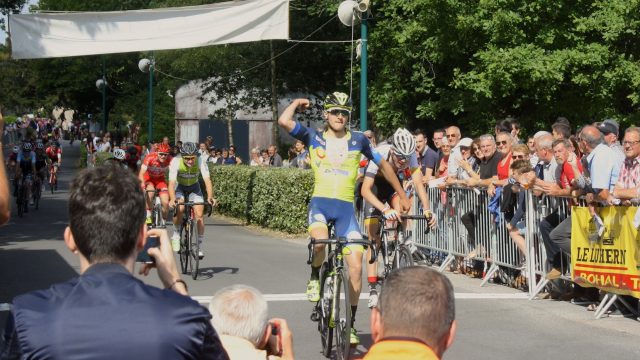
302	297
364	296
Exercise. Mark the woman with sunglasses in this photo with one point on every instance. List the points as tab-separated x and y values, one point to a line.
152	175
184	172
504	143
335	153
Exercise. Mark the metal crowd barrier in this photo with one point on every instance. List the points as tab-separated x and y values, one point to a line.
491	243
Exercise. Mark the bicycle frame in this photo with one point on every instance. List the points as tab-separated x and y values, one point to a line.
336	275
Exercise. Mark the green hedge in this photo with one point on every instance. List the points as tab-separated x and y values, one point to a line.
273	198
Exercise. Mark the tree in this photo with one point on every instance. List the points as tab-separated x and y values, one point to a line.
436	62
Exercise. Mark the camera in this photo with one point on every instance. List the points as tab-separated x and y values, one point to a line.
274	346
143	256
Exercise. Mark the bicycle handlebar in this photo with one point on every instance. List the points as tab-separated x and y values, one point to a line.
191	203
341	242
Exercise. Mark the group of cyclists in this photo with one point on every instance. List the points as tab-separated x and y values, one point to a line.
34	162
174	179
335	156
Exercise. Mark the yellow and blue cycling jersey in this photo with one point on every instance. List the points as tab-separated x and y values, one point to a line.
335	162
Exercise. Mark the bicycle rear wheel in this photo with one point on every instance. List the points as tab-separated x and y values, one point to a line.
324	308
342	315
184	247
19	201
37	193
194	249
157	215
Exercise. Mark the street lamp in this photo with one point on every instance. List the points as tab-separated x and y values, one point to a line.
146	65
347	12
101	84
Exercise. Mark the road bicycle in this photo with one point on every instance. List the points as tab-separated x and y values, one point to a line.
36	191
189	245
157	220
22	199
333	310
396	249
53	177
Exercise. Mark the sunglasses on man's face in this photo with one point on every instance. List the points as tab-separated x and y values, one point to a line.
189	158
162	154
336	112
517	157
503	142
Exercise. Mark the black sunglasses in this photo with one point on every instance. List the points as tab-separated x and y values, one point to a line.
336	112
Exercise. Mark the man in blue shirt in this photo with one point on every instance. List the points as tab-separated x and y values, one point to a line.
106	313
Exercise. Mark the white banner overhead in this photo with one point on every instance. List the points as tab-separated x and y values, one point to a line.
48	35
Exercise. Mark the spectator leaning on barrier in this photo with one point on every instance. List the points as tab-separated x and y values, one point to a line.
420	326
547	167
427	157
106	313
560	131
240	315
628	185
468	165
609	129
452	133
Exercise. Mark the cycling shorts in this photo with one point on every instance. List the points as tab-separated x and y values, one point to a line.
159	185
384	192
193	193
324	210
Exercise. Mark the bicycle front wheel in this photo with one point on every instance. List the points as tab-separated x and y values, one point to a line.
324	307
184	247
342	315
404	258
194	249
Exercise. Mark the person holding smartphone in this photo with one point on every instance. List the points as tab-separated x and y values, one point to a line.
240	315
107	313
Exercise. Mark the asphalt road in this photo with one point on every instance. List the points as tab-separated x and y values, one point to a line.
494	322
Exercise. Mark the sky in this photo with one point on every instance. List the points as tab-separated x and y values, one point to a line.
3	34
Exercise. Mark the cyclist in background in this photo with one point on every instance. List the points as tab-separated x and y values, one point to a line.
54	153
183	183
26	168
119	158
380	197
152	174
335	158
41	163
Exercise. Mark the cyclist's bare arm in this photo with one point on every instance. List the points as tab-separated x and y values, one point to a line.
416	176
392	179
368	195
143	170
172	191
286	118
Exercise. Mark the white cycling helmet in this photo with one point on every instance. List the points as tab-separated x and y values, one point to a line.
119	154
403	142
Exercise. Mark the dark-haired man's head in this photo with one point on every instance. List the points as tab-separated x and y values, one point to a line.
106	214
427	315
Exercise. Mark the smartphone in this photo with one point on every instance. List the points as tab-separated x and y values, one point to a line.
274	346
143	256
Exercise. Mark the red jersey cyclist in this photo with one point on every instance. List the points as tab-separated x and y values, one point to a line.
153	173
54	153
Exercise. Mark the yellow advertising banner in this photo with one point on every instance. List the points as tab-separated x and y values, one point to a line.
611	261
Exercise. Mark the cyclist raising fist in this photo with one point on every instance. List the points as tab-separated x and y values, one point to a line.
184	172
335	159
